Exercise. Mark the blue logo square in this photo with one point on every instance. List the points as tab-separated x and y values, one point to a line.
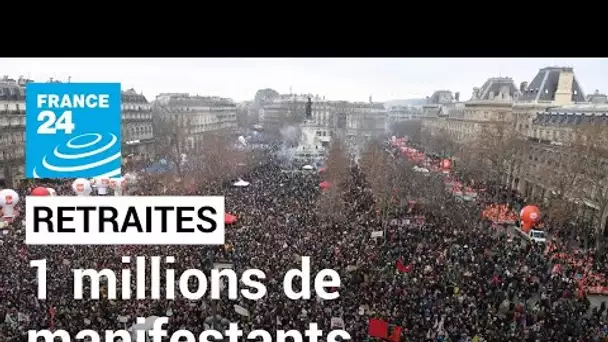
72	130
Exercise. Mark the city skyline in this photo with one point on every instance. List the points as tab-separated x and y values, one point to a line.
351	79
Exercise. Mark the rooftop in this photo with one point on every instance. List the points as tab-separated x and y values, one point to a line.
496	89
187	100
544	86
11	92
131	96
441	97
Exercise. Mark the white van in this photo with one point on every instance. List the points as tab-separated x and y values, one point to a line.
538	236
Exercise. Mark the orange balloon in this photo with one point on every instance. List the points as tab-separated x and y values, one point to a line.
529	215
526	227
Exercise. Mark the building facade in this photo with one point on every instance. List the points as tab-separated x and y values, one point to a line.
191	117
462	122
137	127
552	90
12	130
353	122
396	114
290	109
357	123
439	104
530	110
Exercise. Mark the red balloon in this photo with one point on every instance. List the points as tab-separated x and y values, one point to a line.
40	191
526	226
529	216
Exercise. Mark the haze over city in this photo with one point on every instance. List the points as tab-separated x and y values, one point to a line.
352	79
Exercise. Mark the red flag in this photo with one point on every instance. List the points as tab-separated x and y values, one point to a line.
402	268
378	328
395	334
52	314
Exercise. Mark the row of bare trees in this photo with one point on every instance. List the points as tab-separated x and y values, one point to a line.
394	183
211	154
572	173
332	204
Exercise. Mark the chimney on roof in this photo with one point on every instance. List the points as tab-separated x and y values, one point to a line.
523	86
563	94
457	96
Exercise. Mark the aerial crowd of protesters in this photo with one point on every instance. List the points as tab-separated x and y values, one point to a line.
441	278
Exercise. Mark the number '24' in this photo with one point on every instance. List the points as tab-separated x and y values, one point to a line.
51	124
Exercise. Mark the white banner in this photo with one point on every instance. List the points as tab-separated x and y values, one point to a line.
377	234
241	310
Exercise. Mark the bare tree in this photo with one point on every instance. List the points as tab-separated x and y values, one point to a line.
591	153
220	160
380	173
440	143
331	204
498	147
560	173
172	132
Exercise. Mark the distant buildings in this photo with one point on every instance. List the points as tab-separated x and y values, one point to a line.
463	121
356	123
396	114
12	129
137	128
353	122
544	114
195	115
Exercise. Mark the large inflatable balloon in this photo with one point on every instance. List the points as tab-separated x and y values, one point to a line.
529	216
81	187
40	191
52	192
102	183
8	200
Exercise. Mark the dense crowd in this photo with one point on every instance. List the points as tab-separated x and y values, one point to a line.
441	279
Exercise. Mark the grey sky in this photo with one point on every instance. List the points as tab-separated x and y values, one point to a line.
352	79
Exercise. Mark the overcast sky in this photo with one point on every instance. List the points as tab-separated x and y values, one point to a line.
353	79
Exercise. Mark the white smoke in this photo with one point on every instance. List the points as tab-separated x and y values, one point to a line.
290	135
286	154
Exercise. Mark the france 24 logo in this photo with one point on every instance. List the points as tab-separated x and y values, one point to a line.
72	130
